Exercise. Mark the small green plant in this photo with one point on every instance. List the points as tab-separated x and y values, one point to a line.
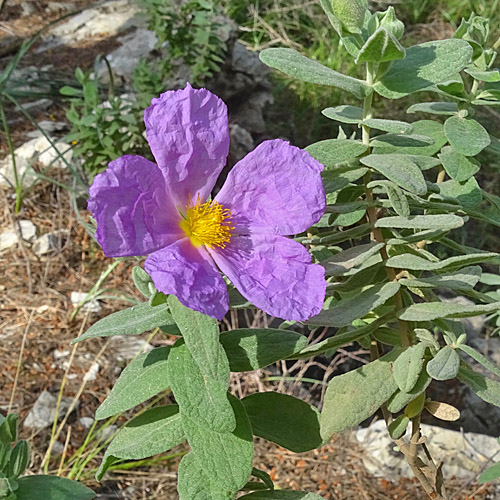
190	30
103	128
15	458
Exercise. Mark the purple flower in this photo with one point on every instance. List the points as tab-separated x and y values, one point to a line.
164	210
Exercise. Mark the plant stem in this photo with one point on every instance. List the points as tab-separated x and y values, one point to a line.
410	451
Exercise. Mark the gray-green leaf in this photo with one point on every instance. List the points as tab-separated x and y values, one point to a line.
381	46
464	279
429	311
422	222
457	166
466	136
142	379
408	366
487	389
331	152
294	64
444	366
416	263
434	108
53	488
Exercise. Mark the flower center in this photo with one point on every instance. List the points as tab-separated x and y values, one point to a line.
207	223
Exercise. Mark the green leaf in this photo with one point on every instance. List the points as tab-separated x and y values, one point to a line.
469	193
201	336
422	222
434	108
399	169
429	311
487	389
464	279
397	198
19	460
425	65
466	136
398	426
281	495
53	488
201	397
399	141
457	166
351	14
490	474
250	349
424	128
391	126
336	179
131	321
345	311
294	64
284	420
154	431
344	261
416	263
400	399
354	396
142	379
482	360
331	152
444	366
484	76
408	366
220	463
381	46
344	114
70	91
142	281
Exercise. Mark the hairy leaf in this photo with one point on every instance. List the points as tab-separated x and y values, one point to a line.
482	360
464	279
434	108
457	166
400	399
331	152
487	389
281	495
422	222
381	46
429	311
344	114
466	136
408	366
416	263
444	366
294	64
341	263
142	379
250	349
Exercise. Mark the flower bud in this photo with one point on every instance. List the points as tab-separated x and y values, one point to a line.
351	13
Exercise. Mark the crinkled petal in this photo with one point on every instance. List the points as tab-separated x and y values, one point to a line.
189	274
133	208
277	188
188	133
275	274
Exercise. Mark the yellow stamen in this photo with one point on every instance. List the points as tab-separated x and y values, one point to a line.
207	223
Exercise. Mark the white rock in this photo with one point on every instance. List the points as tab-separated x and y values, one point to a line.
87	422
135	47
126	347
9	238
44	410
58	448
463	454
110	18
47	243
91	306
107	432
49	127
91	373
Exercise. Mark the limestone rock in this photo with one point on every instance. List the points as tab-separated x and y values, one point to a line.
90	306
9	238
44	410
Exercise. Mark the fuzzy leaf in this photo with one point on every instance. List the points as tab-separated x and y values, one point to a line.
465	279
444	366
490	474
142	379
487	389
469	193
428	311
425	65
391	126
422	222
416	263
154	431
408	366
399	169
250	349
457	166
355	395
482	360
284	420
219	463
466	136
51	487
398	426
400	399
344	114
381	46
331	152
294	64
281	495
202	398
345	311
131	321
341	263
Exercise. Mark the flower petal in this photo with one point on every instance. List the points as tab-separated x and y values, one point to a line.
188	133
275	274
277	188
189	274
134	212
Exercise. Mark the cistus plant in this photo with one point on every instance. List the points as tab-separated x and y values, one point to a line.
15	458
394	191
